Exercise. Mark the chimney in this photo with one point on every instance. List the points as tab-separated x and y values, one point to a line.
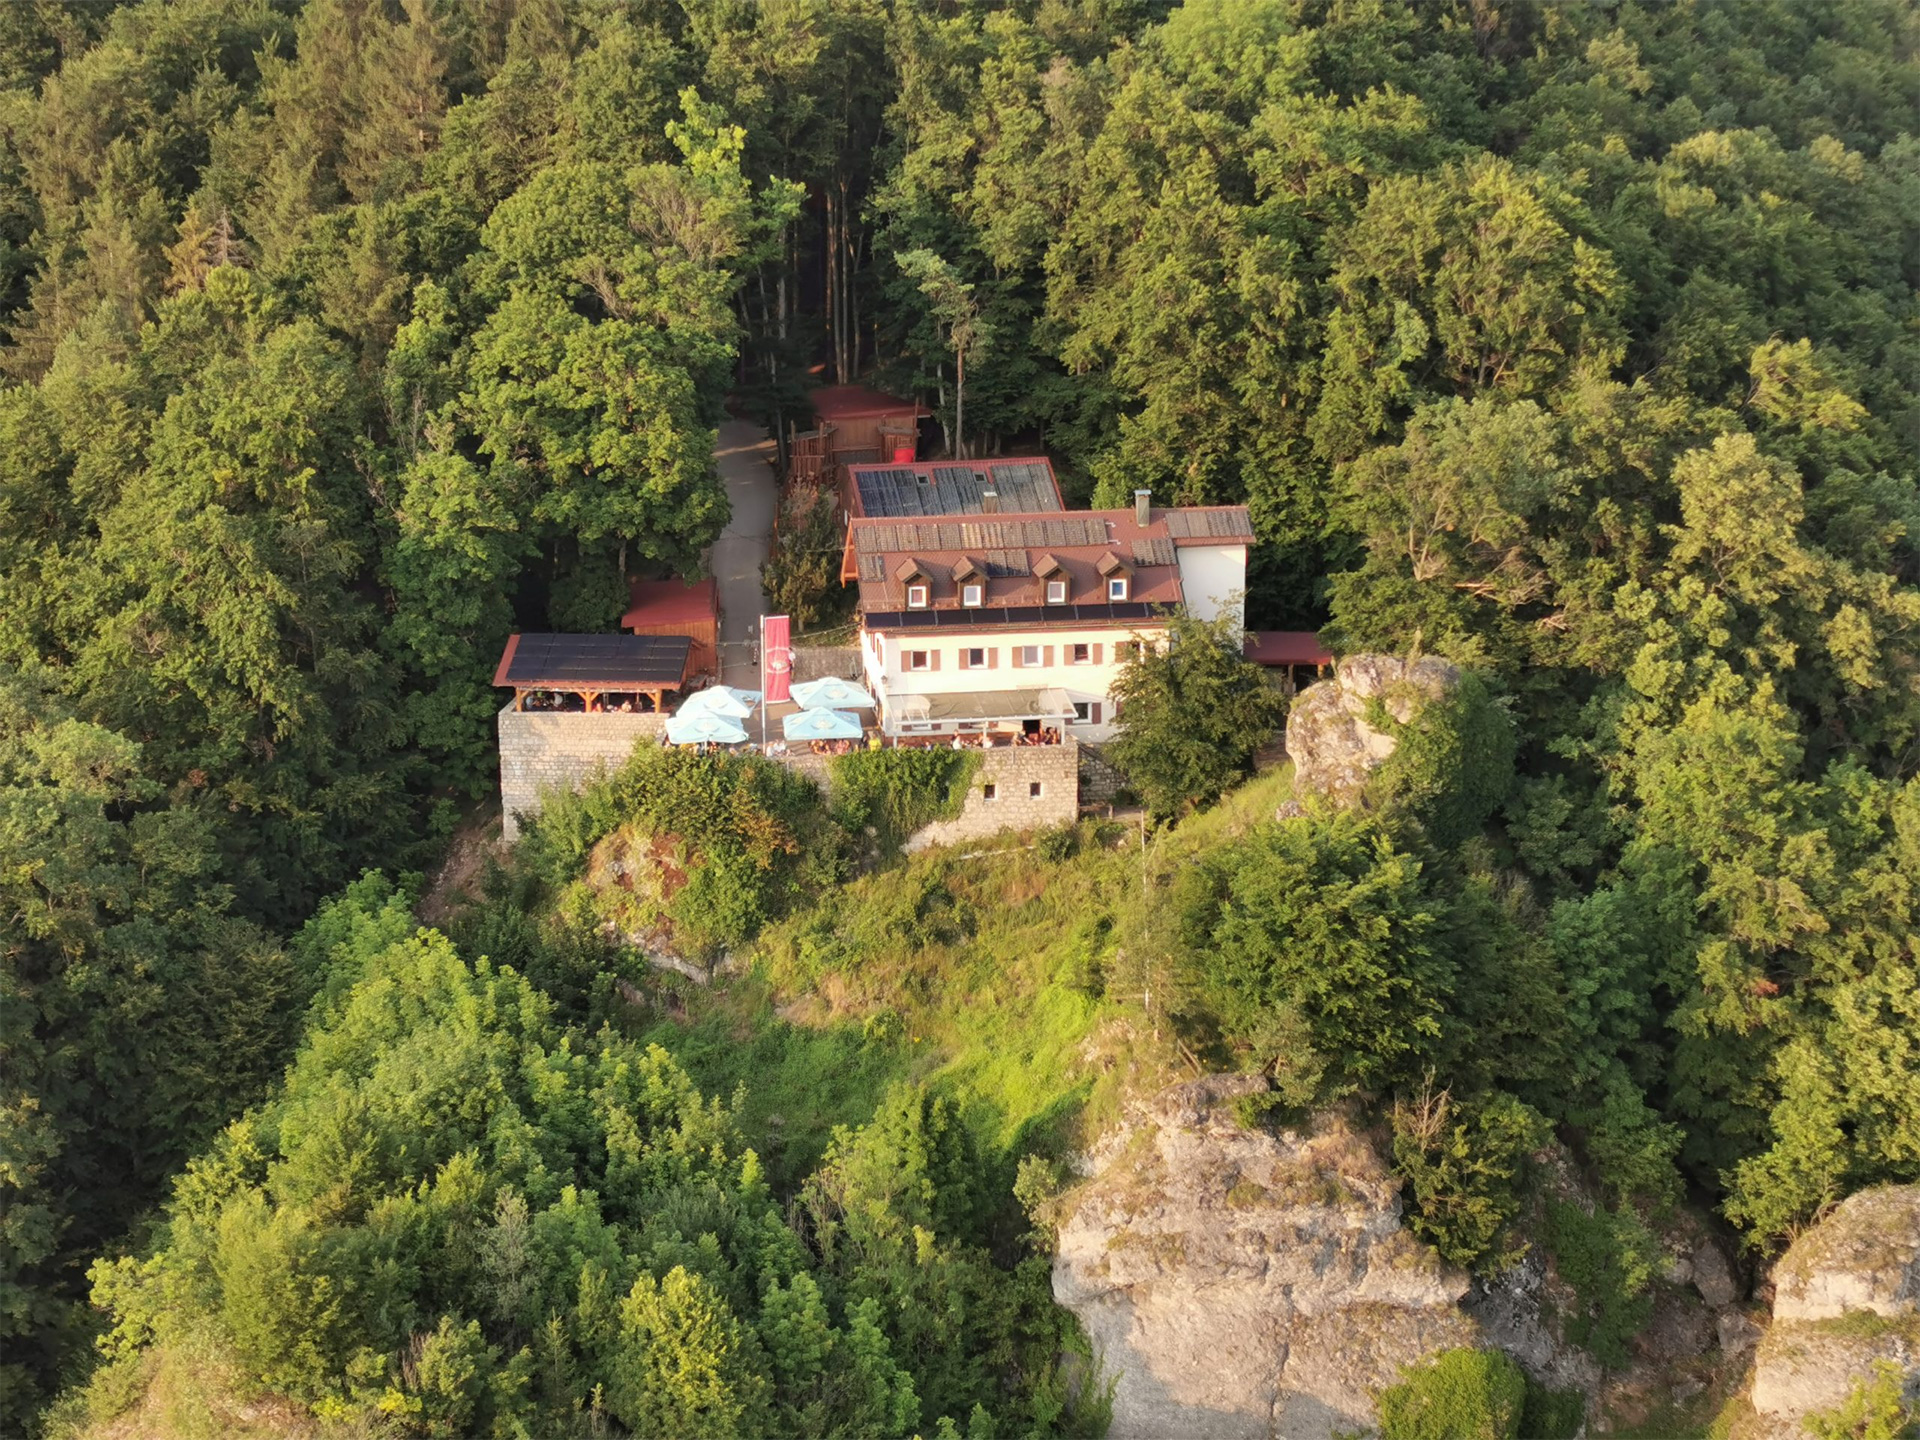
990	502
1143	507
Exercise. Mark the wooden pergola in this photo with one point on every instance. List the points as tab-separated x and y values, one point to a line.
593	667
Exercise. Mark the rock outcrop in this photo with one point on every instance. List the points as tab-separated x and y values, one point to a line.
1846	1295
1333	746
1240	1284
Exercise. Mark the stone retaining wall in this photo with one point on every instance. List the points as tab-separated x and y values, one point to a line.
1100	778
546	749
1011	774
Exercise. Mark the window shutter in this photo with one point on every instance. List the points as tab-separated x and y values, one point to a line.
1098	649
1093	713
1019	658
993	659
1046	656
933	659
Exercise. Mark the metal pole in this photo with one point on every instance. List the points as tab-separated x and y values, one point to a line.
763	684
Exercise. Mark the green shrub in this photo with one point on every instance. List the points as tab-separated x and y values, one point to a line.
750	834
895	792
1453	766
1610	1258
802	575
1457	1395
1463	1164
1551	1414
1876	1409
1319	948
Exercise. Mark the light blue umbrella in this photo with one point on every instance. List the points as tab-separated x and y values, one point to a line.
832	693
821	725
721	700
703	725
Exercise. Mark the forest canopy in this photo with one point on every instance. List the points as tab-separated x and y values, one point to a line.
1573	343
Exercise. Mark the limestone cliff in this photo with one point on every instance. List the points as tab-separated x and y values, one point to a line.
1240	1284
1846	1294
1333	746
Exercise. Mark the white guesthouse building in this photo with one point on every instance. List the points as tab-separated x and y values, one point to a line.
1021	622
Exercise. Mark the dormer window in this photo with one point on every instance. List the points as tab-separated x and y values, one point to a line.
916	597
974	594
1056	592
1117	588
1118	575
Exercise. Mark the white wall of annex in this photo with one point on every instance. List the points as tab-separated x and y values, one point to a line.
1214	581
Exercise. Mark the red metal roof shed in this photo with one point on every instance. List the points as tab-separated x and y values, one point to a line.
837	404
678	607
1287	647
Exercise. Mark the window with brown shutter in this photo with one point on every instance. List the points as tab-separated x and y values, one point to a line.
993	658
1046	656
934	657
1093	713
1097	648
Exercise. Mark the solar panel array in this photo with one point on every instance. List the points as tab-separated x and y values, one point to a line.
562	660
1025	616
1155	550
986	534
1223	522
911	491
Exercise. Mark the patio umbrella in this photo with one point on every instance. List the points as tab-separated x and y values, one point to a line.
703	725
821	725
721	700
832	693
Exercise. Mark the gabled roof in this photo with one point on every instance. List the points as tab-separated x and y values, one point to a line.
1022	485
1021	553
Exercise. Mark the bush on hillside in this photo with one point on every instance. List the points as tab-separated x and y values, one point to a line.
458	1216
1453	764
1191	715
1463	1165
895	792
1457	1395
745	836
1320	950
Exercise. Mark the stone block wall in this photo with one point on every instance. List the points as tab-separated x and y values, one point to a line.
1100	778
545	749
1012	775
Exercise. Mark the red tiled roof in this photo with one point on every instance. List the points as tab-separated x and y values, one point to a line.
1088	546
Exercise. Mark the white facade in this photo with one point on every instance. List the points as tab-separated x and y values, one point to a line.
1213	579
949	666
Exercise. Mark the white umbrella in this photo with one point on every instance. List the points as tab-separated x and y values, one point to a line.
831	693
704	725
721	700
821	725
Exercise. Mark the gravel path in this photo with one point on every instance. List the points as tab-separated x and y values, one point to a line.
744	453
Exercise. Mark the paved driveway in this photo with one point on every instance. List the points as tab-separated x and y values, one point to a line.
744	453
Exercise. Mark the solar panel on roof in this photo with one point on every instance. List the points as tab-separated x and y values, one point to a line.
597	659
1022	615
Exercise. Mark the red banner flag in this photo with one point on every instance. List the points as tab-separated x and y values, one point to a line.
776	657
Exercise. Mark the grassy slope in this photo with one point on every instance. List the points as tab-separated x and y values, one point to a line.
1000	1014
